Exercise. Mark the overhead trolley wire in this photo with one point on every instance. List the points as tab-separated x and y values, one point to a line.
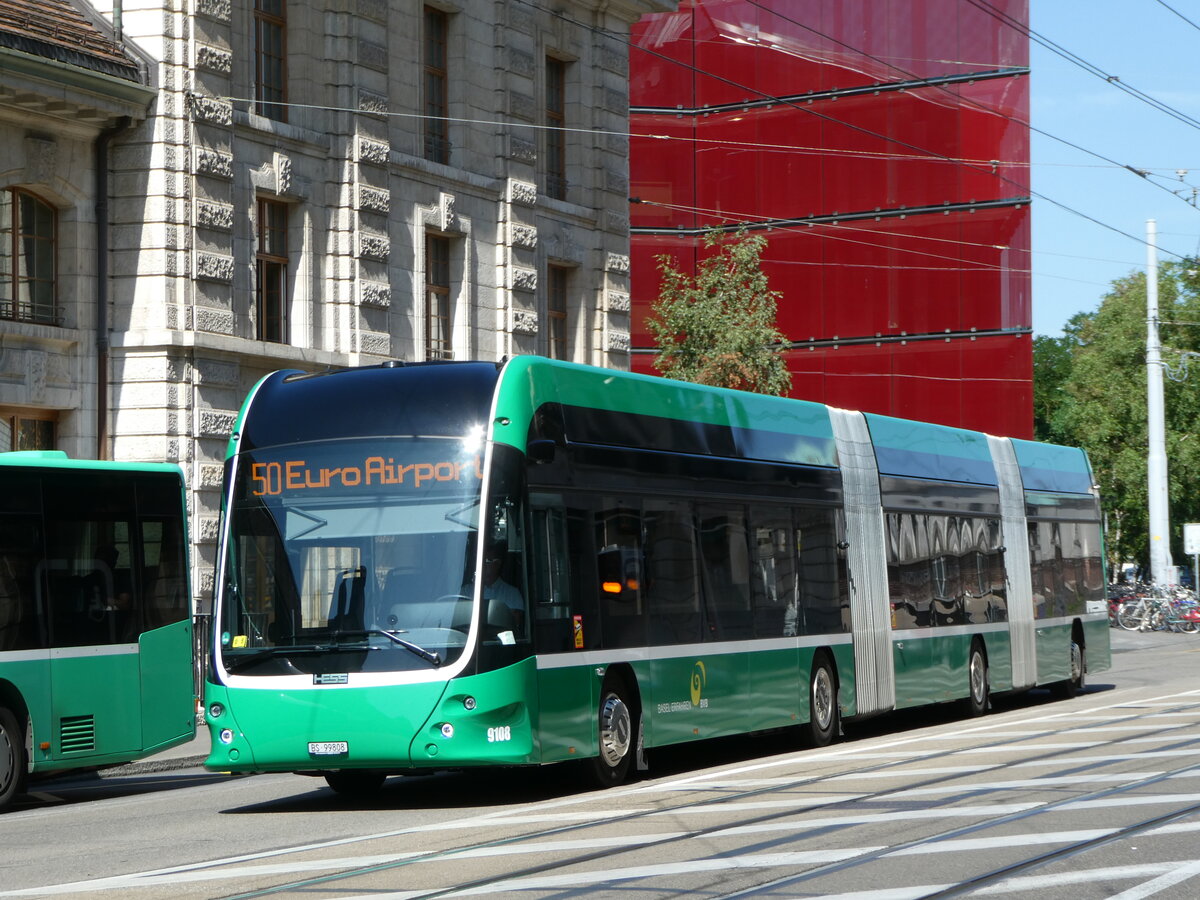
1084	64
1178	13
1144	173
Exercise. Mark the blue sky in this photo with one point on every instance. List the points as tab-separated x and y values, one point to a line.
1149	48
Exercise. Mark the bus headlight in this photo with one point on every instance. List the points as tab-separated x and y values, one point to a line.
447	730
216	710
226	736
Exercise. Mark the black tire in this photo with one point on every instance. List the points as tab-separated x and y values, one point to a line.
978	688
1073	686
356	784
822	726
1130	615
12	758
617	734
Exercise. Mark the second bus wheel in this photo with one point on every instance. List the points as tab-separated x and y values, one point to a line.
355	784
616	733
12	757
822	704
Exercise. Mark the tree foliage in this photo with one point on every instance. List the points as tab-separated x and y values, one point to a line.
1090	391
718	328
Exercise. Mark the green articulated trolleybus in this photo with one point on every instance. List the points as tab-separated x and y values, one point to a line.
96	649
457	564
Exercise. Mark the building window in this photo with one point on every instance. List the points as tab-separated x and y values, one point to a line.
437	298
436	130
556	138
270	61
28	242
556	312
271	284
25	431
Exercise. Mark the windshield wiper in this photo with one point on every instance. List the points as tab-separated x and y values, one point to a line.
428	655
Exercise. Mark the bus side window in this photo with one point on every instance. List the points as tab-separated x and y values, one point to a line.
564	611
619	565
672	589
773	574
163	576
822	572
550	577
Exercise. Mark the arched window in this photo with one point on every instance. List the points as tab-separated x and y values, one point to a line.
28	238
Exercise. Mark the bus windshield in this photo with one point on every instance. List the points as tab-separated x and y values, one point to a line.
350	556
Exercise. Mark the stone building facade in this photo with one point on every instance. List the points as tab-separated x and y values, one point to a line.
324	185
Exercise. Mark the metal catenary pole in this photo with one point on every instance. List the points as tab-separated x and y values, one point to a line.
1161	569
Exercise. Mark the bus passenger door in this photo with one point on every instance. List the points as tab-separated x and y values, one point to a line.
565	622
96	708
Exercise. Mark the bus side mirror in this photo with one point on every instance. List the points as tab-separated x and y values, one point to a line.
540	451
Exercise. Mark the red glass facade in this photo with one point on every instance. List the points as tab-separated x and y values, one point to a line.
883	147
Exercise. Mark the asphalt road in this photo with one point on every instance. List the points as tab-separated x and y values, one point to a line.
1093	797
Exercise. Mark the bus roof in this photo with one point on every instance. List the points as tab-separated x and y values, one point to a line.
1053	468
752	426
57	459
910	449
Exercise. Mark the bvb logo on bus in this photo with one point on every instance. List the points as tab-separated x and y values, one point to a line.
699	680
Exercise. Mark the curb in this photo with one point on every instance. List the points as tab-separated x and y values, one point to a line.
153	766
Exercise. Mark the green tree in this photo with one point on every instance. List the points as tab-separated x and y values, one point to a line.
1052	360
718	328
1100	402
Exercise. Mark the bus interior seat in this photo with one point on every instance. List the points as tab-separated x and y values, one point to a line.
346	612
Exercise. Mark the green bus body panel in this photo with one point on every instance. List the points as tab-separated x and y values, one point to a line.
389	727
528	382
932	668
688	697
1053	644
1097	643
98	706
568	719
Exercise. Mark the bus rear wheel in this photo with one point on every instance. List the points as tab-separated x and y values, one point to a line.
822	704
1065	690
355	784
977	681
616	744
12	757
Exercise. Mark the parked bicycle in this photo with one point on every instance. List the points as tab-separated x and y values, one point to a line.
1160	609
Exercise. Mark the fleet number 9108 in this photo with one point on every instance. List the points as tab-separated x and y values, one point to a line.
502	733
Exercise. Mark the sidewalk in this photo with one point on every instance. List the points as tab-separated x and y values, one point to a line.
186	756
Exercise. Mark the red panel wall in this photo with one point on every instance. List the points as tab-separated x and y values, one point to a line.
919	191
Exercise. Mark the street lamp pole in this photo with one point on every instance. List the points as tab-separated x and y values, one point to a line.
1161	570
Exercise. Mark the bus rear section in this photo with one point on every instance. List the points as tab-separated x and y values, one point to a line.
96	650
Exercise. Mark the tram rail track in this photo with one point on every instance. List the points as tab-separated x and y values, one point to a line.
559	832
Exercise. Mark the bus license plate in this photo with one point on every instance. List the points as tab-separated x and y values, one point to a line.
328	748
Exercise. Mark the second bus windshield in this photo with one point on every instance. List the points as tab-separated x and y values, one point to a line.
352	556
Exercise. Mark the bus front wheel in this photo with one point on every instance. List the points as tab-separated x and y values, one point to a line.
355	784
12	757
616	734
822	704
